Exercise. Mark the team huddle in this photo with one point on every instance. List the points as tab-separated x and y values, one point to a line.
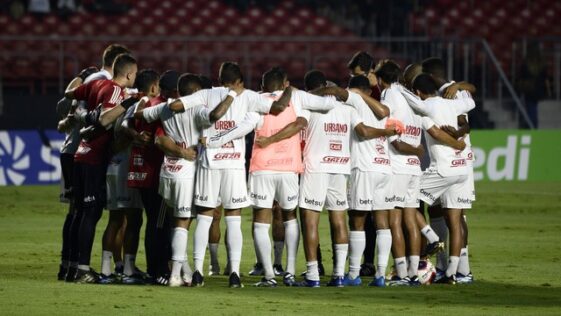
181	149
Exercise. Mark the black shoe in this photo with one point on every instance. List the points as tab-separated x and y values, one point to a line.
62	271
257	269
367	269
433	248
71	274
198	279
89	276
447	280
235	281
278	270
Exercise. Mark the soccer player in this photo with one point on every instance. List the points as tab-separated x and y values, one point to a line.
221	173
457	90
327	165
405	153
64	106
67	152
274	169
447	177
91	158
369	190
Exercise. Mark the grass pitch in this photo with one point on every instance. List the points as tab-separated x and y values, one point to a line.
515	249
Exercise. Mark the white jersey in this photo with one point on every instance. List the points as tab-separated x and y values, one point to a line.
232	154
327	139
461	94
448	161
373	154
184	129
400	110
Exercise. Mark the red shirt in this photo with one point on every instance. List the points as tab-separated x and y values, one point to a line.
145	162
108	94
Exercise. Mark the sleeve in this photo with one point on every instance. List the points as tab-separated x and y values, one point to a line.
312	102
153	113
464	105
427	123
243	128
305	114
354	100
111	96
81	93
414	101
355	118
259	103
198	98
130	111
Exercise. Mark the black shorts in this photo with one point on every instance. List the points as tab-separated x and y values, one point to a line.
67	167
89	185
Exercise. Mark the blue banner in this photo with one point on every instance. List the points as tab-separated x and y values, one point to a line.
30	157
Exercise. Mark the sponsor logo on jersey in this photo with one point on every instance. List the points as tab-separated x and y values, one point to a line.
413	162
171	161
341	203
336	160
428	195
412	130
464	200
292	197
224	125
184	209
202	198
470	155
365	202
173	168
137	176
239	200
137	160
381	161
275	162
458	163
227	156
336	146
335	128
380	149
395	198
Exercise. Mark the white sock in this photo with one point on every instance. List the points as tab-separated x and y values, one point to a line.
401	267
383	249
186	269
200	241
278	248
312	272
84	267
341	251
357	243
129	264
452	266
439	226
234	239
262	244
292	239
413	266
213	249
429	234
106	259
463	265
178	249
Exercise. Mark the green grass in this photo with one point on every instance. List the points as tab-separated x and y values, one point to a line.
515	248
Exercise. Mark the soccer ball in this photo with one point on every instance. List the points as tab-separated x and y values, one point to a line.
427	272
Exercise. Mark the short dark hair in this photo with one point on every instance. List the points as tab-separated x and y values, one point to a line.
145	79
314	79
361	59
359	82
121	63
230	72
434	66
389	72
273	79
111	52
425	83
206	82
187	83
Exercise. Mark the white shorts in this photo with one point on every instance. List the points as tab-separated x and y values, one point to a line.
405	189
178	193
264	189
319	189
471	183
370	191
453	191
221	186
119	195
